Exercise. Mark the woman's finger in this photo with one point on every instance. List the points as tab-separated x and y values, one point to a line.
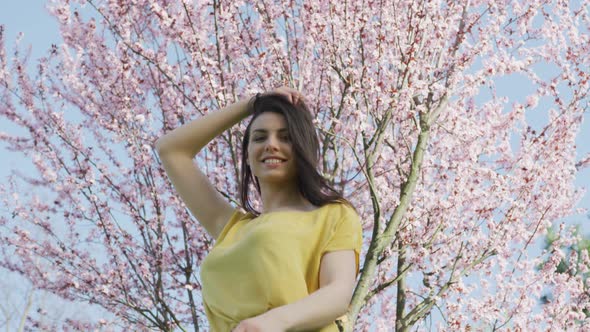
291	94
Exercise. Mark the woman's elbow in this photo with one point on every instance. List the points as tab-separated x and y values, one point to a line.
159	145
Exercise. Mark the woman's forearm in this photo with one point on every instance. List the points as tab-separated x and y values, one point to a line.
191	137
315	311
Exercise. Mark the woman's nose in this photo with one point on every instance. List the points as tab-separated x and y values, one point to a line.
271	143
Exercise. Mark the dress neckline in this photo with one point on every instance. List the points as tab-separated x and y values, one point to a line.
279	211
290	211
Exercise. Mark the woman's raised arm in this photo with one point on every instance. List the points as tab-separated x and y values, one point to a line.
177	150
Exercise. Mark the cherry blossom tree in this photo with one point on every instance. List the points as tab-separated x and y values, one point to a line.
453	182
14	313
576	258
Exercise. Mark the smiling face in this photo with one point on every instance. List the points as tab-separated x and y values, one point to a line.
270	151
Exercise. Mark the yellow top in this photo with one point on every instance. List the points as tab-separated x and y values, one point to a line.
272	260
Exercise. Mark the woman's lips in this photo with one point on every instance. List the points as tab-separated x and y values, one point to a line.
273	165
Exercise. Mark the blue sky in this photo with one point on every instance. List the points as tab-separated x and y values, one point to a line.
40	31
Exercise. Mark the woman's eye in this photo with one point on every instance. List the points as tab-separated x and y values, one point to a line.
262	138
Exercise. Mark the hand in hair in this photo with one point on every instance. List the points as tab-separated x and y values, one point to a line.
292	95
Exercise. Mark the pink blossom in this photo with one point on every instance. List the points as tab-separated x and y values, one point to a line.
99	222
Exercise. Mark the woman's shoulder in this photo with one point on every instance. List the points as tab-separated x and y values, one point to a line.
238	215
341	210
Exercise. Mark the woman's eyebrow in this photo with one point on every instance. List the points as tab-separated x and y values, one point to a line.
266	131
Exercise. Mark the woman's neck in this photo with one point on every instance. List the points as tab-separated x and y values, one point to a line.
280	198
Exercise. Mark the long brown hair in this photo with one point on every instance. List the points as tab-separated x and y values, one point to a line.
312	185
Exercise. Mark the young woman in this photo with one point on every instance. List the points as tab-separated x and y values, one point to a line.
292	266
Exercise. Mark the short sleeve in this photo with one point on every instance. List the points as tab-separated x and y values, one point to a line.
346	234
